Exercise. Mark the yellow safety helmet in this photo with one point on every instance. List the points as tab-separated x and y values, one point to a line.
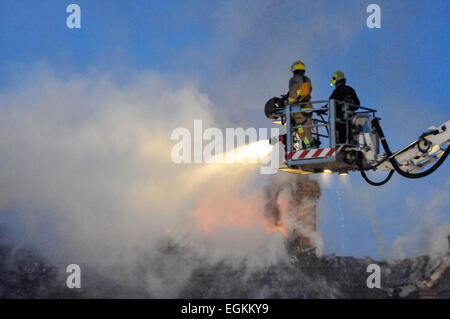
297	65
336	77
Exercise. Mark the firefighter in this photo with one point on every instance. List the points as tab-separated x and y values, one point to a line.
343	93
299	92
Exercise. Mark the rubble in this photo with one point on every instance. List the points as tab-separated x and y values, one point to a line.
25	274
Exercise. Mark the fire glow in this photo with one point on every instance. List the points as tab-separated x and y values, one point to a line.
224	203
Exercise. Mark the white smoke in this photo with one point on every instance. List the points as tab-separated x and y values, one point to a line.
429	234
85	169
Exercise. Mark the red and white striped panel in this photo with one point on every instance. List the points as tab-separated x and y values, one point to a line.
314	153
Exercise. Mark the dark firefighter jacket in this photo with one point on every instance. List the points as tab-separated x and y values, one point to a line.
344	93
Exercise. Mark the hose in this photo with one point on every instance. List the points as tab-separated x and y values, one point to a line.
394	163
366	178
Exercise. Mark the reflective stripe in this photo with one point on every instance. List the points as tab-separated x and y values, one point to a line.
317	152
331	152
289	156
313	153
306	141
303	154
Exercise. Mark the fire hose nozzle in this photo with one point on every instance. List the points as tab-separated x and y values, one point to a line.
280	138
274	140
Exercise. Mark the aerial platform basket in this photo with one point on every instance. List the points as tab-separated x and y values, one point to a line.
330	156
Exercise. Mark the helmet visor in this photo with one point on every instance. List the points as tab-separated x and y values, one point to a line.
333	80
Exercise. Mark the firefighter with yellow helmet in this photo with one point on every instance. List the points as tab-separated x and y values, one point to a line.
343	93
300	92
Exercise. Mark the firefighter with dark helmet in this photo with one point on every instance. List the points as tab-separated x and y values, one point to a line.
300	92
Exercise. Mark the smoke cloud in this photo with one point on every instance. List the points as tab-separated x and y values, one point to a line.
86	176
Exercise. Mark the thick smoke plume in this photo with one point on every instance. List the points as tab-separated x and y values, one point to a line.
86	178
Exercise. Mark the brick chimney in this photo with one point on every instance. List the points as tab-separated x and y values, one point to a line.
304	194
307	193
